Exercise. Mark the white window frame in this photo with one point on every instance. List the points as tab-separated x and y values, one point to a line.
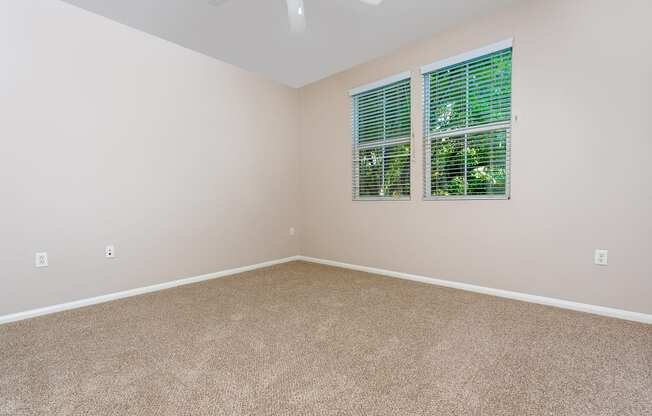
427	168
355	171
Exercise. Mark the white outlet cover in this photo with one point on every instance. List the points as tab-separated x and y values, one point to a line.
601	257
109	252
41	259
292	231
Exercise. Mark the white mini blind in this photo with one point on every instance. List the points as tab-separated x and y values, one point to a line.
467	128
382	132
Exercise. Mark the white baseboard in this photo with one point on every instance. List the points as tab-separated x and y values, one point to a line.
564	304
138	291
581	307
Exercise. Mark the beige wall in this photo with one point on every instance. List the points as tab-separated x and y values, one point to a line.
582	89
111	136
108	135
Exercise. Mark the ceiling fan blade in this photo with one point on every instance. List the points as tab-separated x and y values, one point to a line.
297	16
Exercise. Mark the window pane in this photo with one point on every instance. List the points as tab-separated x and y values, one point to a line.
448	99
447	166
397	121
396	179
469	164
382	134
370	165
486	163
370	123
490	91
468	123
384	171
471	94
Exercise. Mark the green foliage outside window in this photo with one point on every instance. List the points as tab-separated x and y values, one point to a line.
382	141
462	97
468	113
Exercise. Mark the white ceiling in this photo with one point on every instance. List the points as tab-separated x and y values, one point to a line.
254	34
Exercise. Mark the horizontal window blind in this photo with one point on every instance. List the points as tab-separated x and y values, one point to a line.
382	131
467	128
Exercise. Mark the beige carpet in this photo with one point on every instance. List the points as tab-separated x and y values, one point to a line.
304	339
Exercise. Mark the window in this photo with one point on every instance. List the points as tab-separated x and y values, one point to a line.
382	132
467	125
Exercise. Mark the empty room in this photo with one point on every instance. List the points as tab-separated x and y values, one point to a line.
325	207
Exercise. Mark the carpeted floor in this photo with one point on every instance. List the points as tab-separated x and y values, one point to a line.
305	339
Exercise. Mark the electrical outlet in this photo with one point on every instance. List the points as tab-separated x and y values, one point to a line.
292	231
109	252
601	257
41	259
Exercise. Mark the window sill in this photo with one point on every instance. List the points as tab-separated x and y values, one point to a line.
468	198
381	198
